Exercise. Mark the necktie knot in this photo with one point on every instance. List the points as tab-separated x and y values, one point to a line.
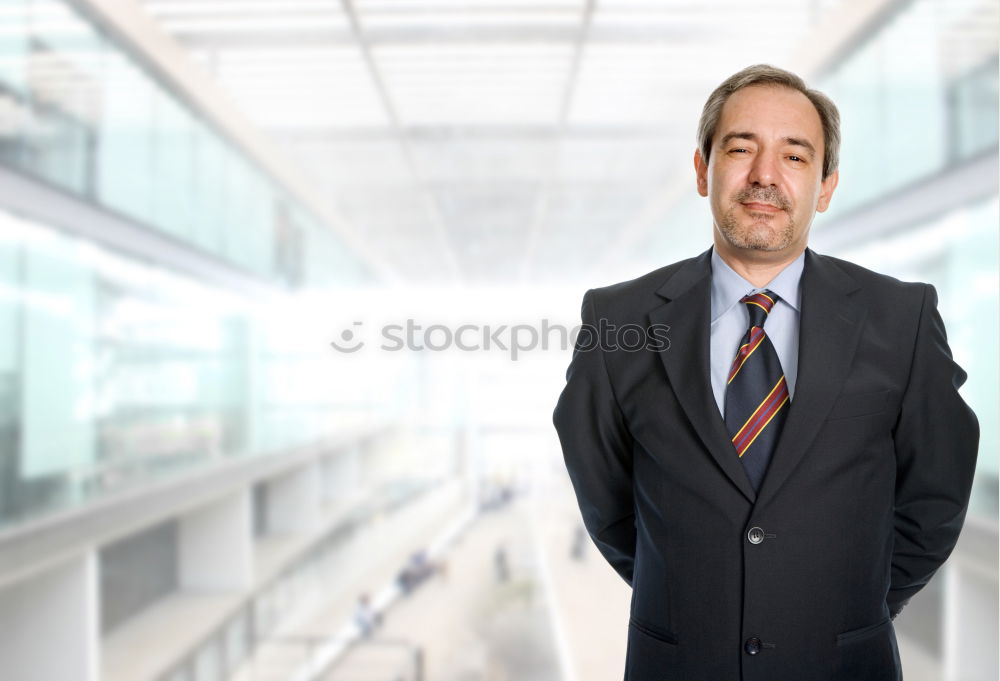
759	305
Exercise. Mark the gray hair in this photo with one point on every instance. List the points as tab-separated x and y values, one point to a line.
764	74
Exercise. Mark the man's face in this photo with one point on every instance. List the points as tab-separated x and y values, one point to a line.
764	172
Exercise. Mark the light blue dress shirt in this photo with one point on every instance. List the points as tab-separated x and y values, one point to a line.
731	319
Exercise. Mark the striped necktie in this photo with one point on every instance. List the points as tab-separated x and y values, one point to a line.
756	400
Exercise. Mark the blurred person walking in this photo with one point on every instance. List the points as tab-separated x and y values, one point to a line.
365	617
501	566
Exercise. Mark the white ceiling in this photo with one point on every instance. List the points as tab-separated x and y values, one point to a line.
487	142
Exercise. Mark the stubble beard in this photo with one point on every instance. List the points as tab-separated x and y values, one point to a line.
760	234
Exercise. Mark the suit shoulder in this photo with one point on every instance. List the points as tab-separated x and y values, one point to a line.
878	282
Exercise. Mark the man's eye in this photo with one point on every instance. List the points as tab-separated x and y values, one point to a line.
737	149
796	158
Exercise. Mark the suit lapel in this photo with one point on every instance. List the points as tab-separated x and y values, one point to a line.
830	323
688	314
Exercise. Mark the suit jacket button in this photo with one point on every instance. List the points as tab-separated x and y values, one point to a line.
755	535
752	646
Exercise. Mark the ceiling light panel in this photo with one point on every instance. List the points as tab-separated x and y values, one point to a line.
475	84
255	24
304	88
354	163
674	23
483	161
192	8
388	208
438	5
472	20
285	112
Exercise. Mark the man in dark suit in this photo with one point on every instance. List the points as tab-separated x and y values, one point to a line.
786	459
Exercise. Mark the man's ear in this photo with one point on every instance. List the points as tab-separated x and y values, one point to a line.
826	188
701	173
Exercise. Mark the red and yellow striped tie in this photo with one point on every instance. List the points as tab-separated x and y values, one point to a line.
756	400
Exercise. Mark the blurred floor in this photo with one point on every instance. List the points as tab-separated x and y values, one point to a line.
592	601
365	563
557	617
470	625
561	615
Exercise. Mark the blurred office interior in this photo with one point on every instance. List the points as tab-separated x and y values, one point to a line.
199	198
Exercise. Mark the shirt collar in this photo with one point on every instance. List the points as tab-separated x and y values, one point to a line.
728	286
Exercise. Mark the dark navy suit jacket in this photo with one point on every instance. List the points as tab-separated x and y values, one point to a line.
863	499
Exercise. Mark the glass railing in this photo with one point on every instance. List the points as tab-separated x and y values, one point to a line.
115	372
259	618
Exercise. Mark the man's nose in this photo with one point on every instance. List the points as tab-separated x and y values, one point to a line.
763	171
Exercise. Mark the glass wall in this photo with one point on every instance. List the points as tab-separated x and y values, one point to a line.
79	112
908	114
115	372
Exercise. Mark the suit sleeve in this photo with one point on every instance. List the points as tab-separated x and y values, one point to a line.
936	442
597	448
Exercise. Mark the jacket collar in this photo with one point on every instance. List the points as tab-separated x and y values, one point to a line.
830	325
728	286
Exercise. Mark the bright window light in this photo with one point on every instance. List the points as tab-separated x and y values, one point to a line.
470	19
252	24
239	7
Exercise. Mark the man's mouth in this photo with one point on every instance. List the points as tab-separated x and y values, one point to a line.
763	207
